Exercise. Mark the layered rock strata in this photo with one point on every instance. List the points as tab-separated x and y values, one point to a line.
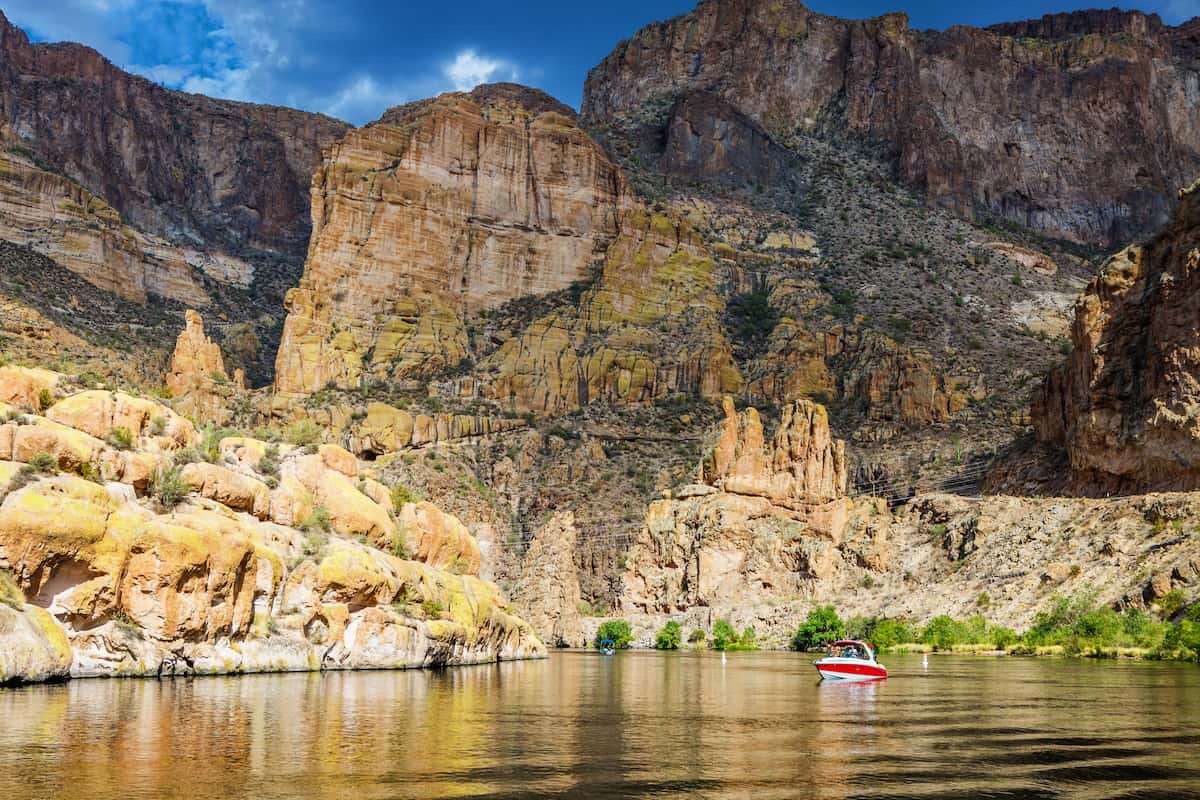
458	204
180	166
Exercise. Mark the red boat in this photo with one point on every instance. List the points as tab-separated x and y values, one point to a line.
850	660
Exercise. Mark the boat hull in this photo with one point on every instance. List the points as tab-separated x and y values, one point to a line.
845	669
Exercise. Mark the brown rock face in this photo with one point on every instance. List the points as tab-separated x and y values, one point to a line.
802	465
707	138
768	518
1125	406
547	591
1077	125
449	205
197	376
178	165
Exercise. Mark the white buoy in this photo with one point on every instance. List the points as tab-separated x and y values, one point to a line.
925	661
722	659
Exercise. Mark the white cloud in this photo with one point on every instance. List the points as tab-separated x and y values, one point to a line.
362	98
469	69
320	55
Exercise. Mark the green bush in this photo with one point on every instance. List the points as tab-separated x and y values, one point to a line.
943	632
120	437
44	463
303	433
725	638
617	630
401	494
822	625
696	636
432	608
45	399
669	637
268	466
318	520
169	486
723	635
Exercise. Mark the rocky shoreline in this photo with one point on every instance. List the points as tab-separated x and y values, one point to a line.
132	543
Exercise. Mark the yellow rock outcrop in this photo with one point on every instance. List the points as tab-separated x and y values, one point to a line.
122	585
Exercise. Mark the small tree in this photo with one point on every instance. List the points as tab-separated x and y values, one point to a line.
820	626
669	637
723	635
616	630
169	486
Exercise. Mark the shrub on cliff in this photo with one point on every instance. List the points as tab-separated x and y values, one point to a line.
617	630
725	638
669	637
822	625
44	463
120	437
303	433
169	486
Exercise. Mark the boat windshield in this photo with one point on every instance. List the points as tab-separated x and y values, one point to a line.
849	650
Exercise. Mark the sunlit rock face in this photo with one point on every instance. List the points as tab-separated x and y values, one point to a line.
442	207
1125	406
1080	125
461	203
767	518
136	557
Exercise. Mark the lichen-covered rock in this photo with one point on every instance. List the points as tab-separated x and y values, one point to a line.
98	412
439	539
122	585
239	492
22	387
33	648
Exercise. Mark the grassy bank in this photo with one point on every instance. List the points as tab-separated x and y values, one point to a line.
1073	626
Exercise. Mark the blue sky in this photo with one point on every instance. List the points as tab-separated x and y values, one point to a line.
354	58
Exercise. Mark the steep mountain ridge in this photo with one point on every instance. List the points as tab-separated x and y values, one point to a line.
1078	126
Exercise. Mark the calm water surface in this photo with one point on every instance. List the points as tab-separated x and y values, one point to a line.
638	724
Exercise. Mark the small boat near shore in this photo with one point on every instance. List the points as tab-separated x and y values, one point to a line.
850	660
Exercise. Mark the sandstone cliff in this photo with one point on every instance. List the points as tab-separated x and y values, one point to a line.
1125	406
765	517
441	208
133	554
1076	125
196	374
453	206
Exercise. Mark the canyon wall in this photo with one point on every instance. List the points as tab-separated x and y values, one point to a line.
1125	406
1077	125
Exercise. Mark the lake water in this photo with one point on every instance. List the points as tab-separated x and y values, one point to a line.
637	724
